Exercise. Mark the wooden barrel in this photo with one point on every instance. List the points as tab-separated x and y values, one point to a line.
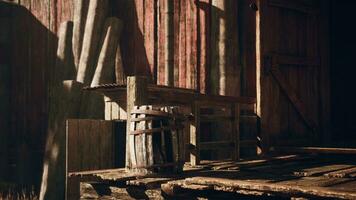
156	139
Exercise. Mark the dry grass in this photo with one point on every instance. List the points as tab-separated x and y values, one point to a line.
19	192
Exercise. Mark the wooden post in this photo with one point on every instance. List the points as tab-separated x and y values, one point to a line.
106	62
136	95
235	132
79	18
96	13
195	135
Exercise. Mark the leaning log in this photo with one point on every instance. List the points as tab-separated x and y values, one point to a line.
106	63
119	68
64	68
79	18
95	19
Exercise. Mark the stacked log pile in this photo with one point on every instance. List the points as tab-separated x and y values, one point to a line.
88	54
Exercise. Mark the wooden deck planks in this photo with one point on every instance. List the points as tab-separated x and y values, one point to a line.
268	177
282	190
349	172
320	170
274	178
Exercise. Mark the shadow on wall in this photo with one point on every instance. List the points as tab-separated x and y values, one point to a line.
221	46
31	56
134	54
222	70
29	76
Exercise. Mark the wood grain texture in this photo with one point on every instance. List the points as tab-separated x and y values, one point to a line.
136	96
140	48
82	136
268	177
203	29
161	41
120	74
92	145
191	41
149	26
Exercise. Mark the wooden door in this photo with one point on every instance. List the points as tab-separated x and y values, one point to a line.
292	68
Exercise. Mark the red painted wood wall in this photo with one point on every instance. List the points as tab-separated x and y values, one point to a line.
33	25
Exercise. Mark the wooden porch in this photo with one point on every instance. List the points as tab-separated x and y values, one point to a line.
308	176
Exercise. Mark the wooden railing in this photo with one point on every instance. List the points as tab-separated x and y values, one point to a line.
137	92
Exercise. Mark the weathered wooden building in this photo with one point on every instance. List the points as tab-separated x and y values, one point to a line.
293	59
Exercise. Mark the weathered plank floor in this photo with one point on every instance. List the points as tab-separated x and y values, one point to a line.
282	177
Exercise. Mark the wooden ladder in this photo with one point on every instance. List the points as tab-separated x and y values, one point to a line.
195	143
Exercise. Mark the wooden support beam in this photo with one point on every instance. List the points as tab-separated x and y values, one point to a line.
195	135
137	95
173	94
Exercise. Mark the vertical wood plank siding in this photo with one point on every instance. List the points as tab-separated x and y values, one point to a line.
34	26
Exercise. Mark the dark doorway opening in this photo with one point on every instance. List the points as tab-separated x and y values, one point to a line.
342	74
